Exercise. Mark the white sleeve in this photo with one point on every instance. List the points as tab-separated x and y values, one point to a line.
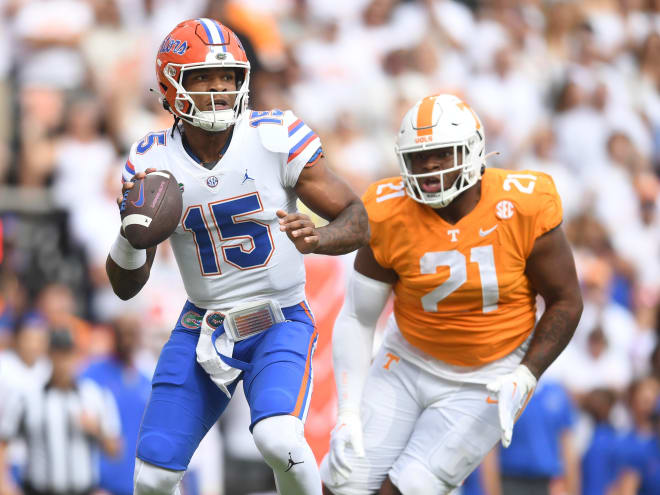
138	160
353	334
303	147
129	171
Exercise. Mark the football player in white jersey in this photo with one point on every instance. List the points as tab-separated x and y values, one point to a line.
239	246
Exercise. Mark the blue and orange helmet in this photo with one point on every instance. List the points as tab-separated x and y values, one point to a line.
201	44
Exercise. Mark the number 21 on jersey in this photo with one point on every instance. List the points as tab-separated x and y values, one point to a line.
483	256
233	233
457	263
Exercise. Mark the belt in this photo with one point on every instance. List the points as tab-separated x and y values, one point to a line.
246	320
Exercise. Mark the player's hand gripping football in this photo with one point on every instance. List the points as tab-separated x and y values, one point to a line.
300	229
129	184
348	431
513	392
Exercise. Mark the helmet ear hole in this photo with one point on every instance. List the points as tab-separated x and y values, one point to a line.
163	100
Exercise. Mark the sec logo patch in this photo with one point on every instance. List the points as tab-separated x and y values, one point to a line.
504	209
212	181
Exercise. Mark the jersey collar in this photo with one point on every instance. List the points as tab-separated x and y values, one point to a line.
209	165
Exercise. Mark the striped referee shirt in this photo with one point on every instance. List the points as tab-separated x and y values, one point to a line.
62	458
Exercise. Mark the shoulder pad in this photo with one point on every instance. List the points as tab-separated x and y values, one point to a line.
150	141
536	200
145	153
385	198
272	128
528	188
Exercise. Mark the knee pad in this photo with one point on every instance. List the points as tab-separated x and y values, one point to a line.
279	438
153	480
416	479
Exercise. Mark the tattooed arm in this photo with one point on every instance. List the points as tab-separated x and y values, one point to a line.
330	197
551	271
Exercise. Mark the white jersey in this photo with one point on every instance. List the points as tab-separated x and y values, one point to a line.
228	244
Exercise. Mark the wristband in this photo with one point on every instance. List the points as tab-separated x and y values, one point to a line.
126	256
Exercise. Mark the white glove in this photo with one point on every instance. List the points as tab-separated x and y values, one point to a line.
207	356
348	431
513	391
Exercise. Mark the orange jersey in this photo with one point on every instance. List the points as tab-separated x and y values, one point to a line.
462	295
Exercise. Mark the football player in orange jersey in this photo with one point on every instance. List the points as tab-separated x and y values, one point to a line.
466	250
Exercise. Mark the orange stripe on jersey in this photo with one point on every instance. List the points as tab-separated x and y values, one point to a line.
309	315
301	146
314	161
425	116
294	125
303	386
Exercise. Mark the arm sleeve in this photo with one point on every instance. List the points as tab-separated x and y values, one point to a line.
550	210
135	162
128	170
303	145
352	336
381	220
540	210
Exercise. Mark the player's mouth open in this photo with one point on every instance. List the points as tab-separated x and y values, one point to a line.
220	104
431	185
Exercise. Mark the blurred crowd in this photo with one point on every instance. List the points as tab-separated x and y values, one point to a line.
571	88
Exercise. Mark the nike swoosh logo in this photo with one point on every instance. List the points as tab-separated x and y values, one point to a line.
484	233
491	401
140	200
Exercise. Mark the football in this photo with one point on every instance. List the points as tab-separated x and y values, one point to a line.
151	209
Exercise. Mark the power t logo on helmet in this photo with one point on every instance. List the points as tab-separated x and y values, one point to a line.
441	121
202	44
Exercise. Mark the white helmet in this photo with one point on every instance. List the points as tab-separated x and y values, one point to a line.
441	121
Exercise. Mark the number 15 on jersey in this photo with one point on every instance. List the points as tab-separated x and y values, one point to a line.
244	243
